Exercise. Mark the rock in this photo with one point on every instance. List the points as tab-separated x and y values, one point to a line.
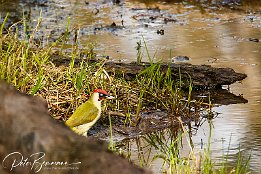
179	59
28	133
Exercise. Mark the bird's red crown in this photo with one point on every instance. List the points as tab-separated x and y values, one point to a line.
101	91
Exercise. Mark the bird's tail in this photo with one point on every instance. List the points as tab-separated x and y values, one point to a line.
80	131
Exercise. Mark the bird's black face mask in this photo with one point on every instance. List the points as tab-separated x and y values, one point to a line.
102	96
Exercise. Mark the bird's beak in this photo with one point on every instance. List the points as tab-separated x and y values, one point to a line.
109	97
84	95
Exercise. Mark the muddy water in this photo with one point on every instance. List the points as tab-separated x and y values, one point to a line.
209	35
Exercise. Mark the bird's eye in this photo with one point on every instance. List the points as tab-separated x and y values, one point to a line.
102	95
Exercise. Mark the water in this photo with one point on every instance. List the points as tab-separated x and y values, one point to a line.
218	37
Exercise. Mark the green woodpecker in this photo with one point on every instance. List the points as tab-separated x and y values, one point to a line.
86	115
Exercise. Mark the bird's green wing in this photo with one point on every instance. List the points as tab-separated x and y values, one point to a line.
85	113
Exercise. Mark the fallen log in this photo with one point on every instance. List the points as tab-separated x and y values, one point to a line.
202	76
31	141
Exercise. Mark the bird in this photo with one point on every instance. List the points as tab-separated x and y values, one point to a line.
87	114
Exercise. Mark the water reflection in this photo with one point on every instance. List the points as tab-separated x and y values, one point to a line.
172	151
